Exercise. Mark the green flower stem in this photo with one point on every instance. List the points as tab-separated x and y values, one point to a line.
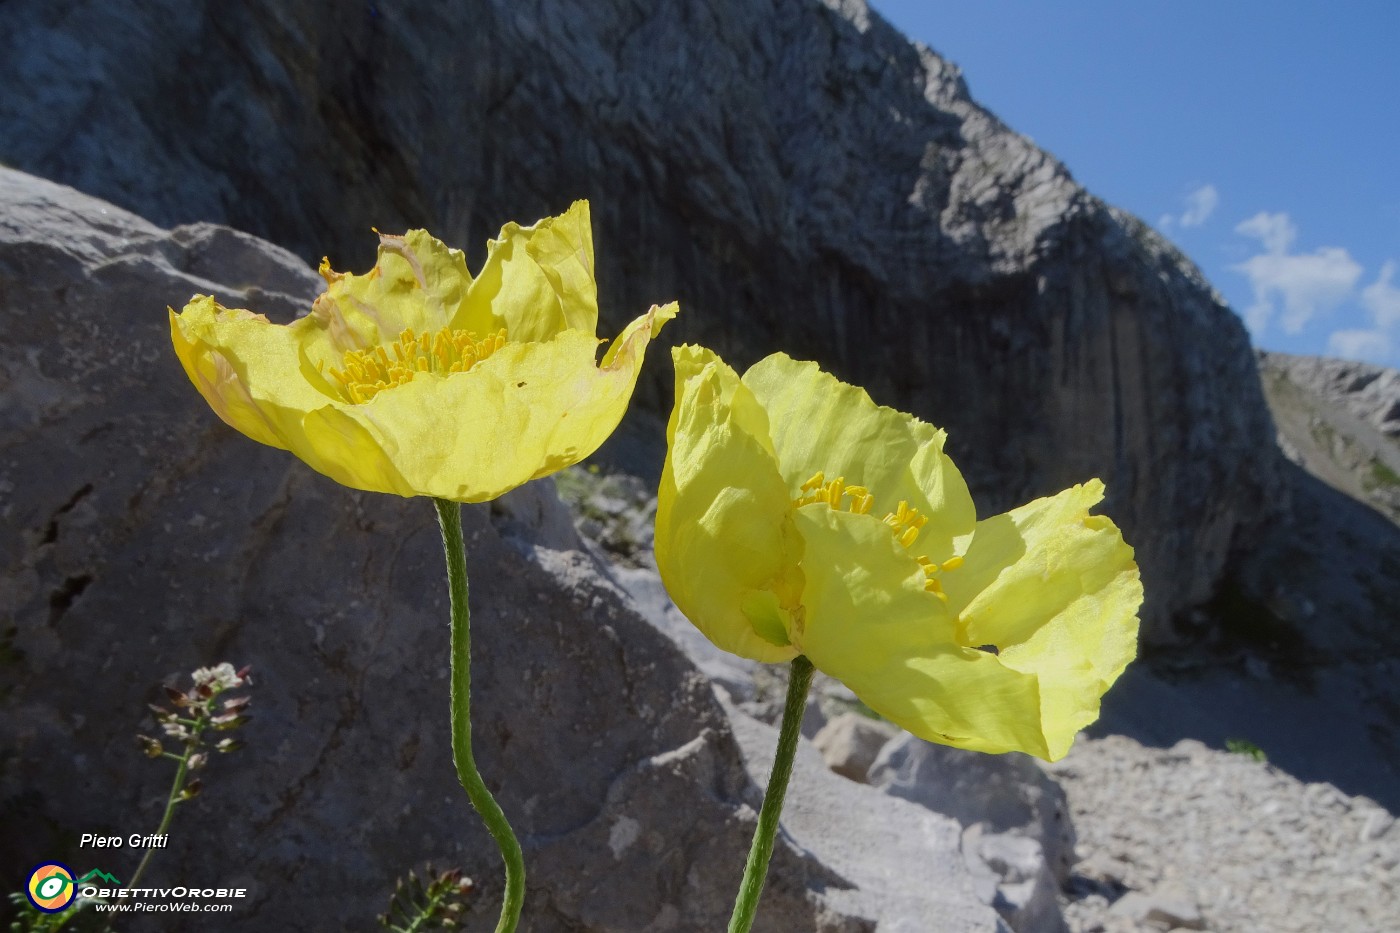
450	518
176	787
751	888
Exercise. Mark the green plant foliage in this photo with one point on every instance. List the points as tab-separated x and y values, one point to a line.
1245	747
1382	475
437	901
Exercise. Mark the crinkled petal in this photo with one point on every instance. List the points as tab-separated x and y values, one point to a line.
821	423
1056	590
537	281
592	418
519	411
248	369
525	412
725	545
871	625
417	283
960	697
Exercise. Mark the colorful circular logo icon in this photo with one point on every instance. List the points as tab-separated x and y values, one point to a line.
51	887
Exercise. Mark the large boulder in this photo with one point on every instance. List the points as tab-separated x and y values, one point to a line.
1017	835
797	173
899	861
149	539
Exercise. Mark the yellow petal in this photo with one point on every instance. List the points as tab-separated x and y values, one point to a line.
725	546
821	423
335	443
459	415
417	283
537	281
248	369
526	411
871	625
865	598
592	418
960	697
1057	591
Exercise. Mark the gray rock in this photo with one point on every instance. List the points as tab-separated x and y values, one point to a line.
1004	793
1340	421
535	513
797	173
850	742
1205	838
734	674
145	539
902	865
1368	391
1023	889
1170	908
1377	824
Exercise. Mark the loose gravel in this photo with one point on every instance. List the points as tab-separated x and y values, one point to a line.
1194	838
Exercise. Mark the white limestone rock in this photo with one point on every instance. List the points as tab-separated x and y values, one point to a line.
1007	793
850	743
902	865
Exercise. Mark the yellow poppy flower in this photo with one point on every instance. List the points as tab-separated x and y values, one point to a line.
795	516
420	380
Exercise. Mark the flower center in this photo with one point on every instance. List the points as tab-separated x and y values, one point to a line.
366	373
905	521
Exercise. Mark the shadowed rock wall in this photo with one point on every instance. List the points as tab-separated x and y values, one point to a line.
796	173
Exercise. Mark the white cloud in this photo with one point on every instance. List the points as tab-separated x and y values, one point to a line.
1380	342
1372	345
1200	204
1383	299
1275	231
1305	284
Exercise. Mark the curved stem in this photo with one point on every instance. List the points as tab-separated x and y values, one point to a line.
450	518
746	904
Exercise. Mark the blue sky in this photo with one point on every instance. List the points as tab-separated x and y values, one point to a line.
1262	138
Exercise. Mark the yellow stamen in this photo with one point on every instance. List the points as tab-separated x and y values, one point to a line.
905	521
366	373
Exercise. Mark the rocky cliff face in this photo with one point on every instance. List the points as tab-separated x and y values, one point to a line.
795	172
1340	421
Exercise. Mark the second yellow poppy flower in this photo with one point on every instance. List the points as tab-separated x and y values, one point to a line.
796	516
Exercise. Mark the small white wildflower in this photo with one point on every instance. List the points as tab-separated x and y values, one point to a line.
220	675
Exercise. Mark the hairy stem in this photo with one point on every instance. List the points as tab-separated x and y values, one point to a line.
751	888
450	518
